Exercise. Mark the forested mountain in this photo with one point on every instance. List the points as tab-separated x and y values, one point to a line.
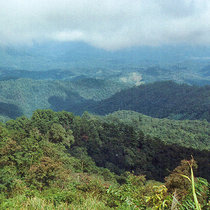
23	96
104	105
56	74
53	159
50	55
186	64
161	99
123	160
187	133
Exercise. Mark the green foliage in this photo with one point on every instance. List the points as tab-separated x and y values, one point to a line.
54	160
8	177
187	133
57	134
165	99
23	96
160	99
128	195
25	203
121	145
197	187
58	196
45	172
190	191
159	199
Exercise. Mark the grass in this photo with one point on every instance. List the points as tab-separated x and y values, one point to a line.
21	202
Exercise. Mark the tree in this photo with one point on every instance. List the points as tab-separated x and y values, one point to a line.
58	134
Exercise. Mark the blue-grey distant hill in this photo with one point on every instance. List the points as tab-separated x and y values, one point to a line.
179	63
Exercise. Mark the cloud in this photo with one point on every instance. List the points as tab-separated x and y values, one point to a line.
107	24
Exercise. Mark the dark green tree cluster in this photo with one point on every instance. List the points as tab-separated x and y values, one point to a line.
187	133
165	99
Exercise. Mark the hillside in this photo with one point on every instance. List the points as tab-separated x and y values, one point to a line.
187	133
178	63
23	96
160	99
104	105
62	161
56	74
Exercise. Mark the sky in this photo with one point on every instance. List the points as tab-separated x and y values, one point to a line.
106	24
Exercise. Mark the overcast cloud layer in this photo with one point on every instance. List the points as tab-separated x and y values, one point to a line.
108	24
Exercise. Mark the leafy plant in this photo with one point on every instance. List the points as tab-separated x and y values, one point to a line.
192	181
159	199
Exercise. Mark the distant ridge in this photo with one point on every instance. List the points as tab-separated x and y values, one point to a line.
165	99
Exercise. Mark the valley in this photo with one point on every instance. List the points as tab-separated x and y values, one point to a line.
102	128
104	105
